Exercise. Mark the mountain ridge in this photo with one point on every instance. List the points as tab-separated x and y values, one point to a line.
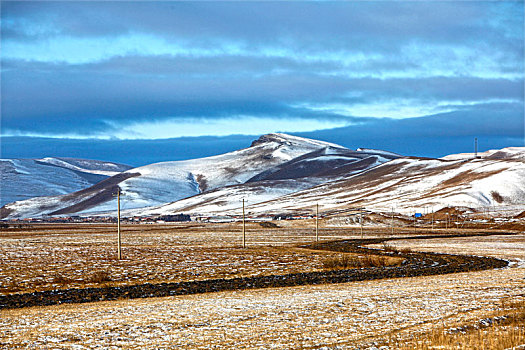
283	173
165	182
26	178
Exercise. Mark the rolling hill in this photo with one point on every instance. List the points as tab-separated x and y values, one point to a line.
27	178
165	182
407	185
280	173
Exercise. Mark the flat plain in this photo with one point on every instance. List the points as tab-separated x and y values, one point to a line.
380	313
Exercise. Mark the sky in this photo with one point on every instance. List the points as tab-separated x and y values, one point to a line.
140	82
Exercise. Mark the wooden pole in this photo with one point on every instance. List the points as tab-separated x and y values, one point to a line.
118	224
317	222
392	221
414	221
243	226
432	219
361	220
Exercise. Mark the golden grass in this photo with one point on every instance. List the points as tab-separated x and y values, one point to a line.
502	330
348	261
349	315
59	256
357	315
46	257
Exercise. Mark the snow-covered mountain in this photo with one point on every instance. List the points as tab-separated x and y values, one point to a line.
303	172
165	182
406	184
410	184
280	173
27	178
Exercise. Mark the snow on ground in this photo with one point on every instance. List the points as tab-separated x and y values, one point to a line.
510	152
50	257
406	184
345	316
379	152
166	182
227	199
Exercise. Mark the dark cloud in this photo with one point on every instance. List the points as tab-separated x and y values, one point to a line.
427	136
314	23
83	98
267	59
497	126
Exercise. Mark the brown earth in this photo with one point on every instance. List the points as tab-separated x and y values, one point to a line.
414	264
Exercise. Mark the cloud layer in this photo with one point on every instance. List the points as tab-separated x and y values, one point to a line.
150	70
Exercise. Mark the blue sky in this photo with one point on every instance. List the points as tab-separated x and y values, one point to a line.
423	78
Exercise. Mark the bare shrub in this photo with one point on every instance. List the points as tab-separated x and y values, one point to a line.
341	262
354	262
374	261
405	250
61	279
268	224
389	248
99	277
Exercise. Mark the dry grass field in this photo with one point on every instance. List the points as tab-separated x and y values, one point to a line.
448	311
45	257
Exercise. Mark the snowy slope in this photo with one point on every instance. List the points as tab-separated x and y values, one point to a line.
165	182
516	153
406	184
298	174
409	184
89	166
228	199
27	178
328	162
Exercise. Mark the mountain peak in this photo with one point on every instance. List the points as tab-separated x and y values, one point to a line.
287	139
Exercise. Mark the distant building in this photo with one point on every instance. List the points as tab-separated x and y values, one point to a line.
174	218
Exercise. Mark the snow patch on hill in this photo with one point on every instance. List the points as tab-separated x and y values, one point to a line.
27	178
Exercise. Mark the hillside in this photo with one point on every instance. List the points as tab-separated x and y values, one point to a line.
415	184
165	182
303	172
406	184
280	173
27	178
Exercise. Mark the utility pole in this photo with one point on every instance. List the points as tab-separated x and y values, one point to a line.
392	221
476	147
432	218
118	225
361	220
317	222
243	226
